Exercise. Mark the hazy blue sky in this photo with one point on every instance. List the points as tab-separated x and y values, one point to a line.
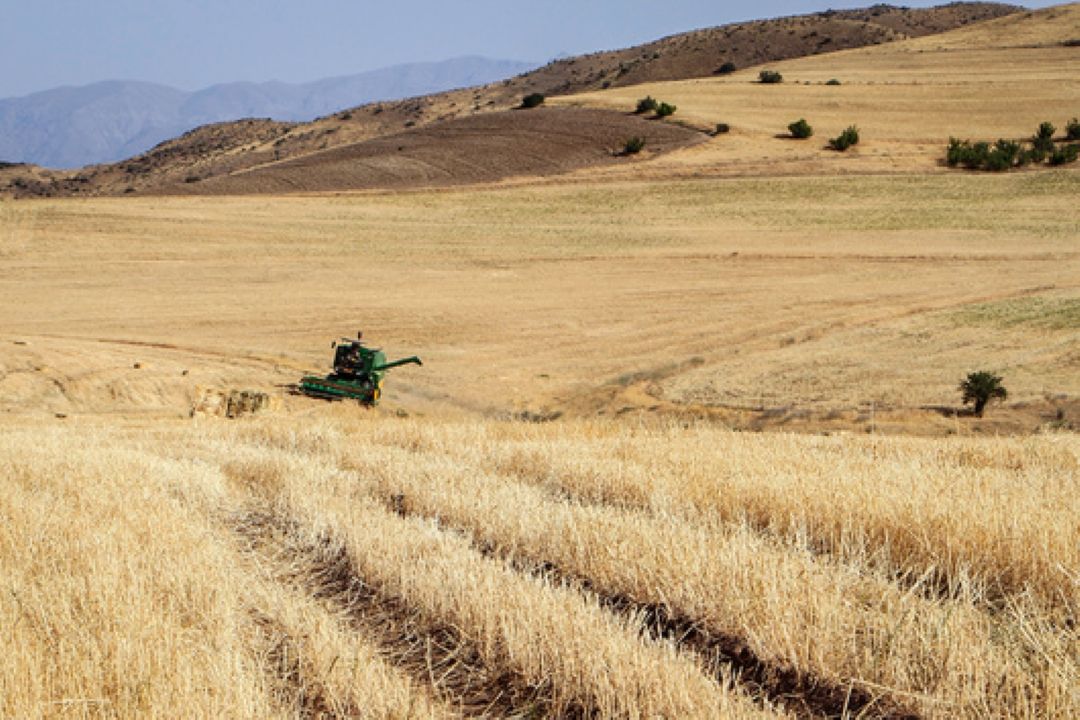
194	43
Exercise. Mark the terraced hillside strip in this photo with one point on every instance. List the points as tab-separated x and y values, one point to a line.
906	98
482	149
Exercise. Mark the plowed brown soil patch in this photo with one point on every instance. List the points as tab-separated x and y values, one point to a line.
486	148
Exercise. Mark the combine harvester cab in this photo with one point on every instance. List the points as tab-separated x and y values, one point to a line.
358	374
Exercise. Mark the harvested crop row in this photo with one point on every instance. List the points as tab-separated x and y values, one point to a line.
318	663
1045	657
121	597
792	609
551	638
996	519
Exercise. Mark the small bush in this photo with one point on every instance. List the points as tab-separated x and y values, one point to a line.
800	129
1001	156
633	146
1044	137
722	129
727	68
977	156
769	77
665	109
531	101
979	388
1065	154
833	82
646	104
956	152
1072	130
845	139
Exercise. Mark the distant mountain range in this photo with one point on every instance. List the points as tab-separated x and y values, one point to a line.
70	127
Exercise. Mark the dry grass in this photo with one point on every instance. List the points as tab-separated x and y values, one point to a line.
902	507
820	294
146	585
123	598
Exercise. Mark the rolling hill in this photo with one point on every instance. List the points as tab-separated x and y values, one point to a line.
232	147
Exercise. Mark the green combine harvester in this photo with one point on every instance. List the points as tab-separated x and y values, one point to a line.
358	373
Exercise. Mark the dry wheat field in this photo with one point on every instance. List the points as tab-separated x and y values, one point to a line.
685	444
440	556
360	565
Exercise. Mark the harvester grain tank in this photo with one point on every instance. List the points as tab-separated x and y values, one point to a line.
358	373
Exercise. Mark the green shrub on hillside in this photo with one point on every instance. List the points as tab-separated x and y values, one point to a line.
979	388
1007	154
633	146
665	109
1065	154
833	82
845	139
1072	130
722	129
800	129
646	104
1044	138
770	77
727	68
532	101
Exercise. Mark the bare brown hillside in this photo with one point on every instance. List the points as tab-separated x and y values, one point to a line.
227	148
476	149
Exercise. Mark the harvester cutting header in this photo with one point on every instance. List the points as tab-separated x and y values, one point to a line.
358	373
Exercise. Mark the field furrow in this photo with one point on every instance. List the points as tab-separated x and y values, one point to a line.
792	610
926	513
436	656
555	643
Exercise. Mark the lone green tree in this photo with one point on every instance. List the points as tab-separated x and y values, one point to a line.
980	388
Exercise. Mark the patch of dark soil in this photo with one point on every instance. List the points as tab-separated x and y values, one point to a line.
478	149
